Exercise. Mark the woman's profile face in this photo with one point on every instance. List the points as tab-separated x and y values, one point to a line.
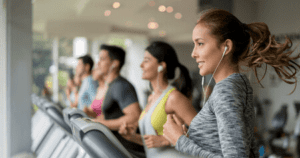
149	66
206	50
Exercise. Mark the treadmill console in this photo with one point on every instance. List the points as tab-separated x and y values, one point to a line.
82	126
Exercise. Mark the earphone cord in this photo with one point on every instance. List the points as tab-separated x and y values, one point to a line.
204	92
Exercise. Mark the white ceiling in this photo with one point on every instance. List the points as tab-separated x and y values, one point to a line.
71	18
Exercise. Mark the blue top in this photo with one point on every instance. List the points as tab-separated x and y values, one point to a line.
224	126
87	92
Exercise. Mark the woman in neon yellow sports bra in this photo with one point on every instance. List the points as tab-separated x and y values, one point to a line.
159	64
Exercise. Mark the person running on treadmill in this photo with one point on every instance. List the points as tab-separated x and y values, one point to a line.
120	101
88	88
225	125
95	110
159	65
74	91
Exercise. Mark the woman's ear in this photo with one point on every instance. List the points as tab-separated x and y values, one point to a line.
229	45
164	65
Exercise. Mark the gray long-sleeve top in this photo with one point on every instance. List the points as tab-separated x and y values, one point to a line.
224	126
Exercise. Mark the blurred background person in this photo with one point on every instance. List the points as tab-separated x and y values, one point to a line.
69	93
95	110
120	103
46	92
74	96
88	88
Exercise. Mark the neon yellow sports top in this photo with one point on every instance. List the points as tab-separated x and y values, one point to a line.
159	115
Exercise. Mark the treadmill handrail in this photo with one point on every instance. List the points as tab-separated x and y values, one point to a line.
68	112
57	117
50	105
86	125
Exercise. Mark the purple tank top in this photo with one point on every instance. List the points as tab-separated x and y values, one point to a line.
96	106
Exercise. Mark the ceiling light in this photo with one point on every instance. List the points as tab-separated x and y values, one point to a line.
170	9
162	8
107	13
151	3
178	16
152	25
116	5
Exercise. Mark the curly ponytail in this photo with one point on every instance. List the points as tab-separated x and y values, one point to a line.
264	49
253	44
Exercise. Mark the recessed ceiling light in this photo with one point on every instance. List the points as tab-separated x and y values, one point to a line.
162	8
116	5
152	25
178	16
170	9
107	13
151	3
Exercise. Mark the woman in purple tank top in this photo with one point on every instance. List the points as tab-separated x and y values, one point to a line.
95	110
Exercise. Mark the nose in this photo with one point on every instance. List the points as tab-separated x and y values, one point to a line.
142	65
193	53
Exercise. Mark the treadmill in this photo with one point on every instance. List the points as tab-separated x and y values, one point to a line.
51	136
98	140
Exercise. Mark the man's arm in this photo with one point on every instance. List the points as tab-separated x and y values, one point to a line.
131	116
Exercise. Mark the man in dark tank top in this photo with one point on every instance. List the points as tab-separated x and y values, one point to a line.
120	102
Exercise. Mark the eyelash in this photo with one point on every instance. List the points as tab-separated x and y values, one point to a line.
199	44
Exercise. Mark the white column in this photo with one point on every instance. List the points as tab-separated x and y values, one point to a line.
95	51
136	46
55	69
3	80
16	76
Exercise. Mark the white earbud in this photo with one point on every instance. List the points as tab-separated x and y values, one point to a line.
160	68
224	51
